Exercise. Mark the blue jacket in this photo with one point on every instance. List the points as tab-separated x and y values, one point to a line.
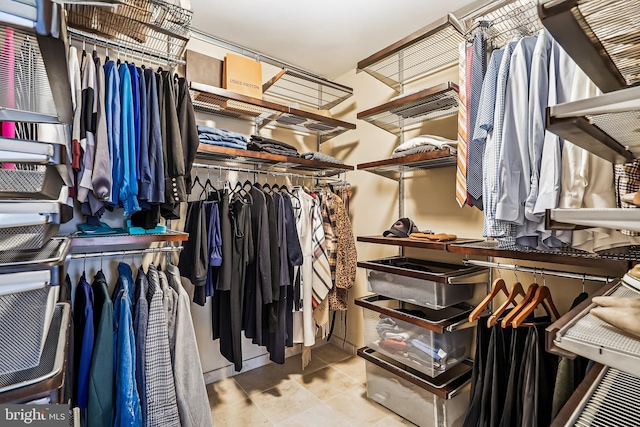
83	315
113	113
127	410
129	188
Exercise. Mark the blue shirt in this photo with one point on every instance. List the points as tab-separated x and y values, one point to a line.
129	187
127	410
112	109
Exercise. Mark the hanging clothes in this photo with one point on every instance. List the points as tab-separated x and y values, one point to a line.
127	406
191	392
100	401
128	195
160	386
194	262
140	323
84	333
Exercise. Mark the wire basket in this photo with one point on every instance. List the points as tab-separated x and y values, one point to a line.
26	181
24	320
144	26
25	92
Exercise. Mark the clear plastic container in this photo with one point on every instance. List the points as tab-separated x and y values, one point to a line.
410	343
414	402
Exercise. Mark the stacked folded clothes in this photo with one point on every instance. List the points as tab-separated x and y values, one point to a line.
221	138
424	144
259	143
321	157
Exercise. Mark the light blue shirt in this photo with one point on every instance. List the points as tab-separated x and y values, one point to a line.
493	227
515	168
561	74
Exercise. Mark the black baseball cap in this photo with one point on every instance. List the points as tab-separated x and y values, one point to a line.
401	228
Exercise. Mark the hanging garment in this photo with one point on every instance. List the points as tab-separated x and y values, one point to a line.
191	391
476	72
461	171
325	255
258	276
76	100
477	376
135	97
100	401
627	181
101	177
491	162
128	196
127	407
274	251
277	338
160	386
170	302
516	356
294	255
304	324
84	333
140	319
113	113
143	146
88	116
194	259
242	253
154	190
174	157
188	130
214	245
347	257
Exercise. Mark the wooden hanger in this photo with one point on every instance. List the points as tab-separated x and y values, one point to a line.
506	321
515	291
497	286
542	294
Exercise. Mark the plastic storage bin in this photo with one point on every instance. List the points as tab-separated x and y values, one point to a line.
424	283
27	303
416	337
423	403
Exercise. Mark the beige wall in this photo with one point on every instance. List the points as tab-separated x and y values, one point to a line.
429	195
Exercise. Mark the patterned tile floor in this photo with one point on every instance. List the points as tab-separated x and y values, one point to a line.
331	391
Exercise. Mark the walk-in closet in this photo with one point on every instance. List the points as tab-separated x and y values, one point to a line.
361	213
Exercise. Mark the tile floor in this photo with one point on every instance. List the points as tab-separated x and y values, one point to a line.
330	391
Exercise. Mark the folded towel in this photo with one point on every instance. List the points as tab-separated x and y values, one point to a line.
321	157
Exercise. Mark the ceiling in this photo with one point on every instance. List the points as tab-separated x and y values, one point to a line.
327	38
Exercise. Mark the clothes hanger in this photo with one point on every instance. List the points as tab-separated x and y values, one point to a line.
195	182
497	287
515	291
542	294
506	320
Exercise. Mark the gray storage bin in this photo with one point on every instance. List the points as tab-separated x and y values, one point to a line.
424	283
442	404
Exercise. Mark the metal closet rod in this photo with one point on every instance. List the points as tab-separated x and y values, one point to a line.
264	172
128	252
103	42
541	271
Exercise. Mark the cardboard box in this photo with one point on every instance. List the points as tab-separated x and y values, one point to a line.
242	75
203	69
